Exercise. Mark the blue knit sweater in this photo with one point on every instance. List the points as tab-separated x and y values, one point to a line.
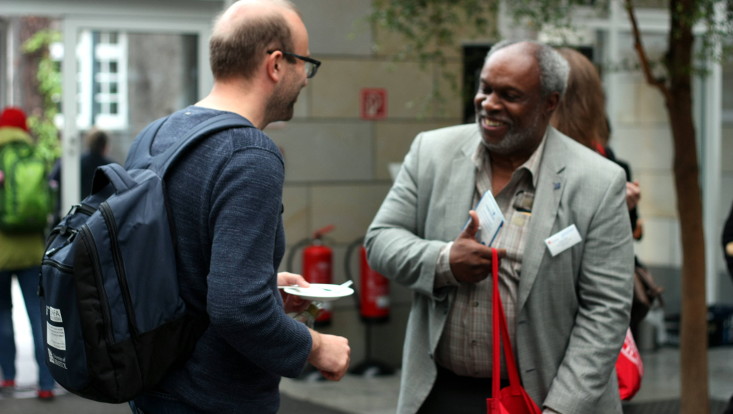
226	200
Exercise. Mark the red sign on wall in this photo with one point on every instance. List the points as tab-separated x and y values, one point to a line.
373	103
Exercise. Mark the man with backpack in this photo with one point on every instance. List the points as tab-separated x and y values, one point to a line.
225	196
21	241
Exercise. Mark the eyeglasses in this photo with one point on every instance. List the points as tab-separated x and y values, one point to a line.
311	65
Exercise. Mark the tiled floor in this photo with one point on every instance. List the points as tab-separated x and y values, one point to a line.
378	395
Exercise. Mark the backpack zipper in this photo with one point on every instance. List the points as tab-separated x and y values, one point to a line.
59	266
53	251
86	237
109	220
83	208
62	230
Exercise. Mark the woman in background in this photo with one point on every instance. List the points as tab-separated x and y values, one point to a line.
581	115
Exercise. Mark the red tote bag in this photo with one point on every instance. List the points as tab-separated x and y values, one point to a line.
629	368
512	399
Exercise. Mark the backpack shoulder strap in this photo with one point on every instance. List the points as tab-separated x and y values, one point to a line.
14	136
140	154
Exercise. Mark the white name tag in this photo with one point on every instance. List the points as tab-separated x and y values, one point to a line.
563	240
490	218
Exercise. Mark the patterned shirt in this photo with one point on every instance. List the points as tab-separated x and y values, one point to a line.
465	346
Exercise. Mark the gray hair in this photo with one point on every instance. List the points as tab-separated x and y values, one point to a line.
554	69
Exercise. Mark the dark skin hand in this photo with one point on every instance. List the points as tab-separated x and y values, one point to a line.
470	261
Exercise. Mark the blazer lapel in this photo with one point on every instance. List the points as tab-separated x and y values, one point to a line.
462	184
550	186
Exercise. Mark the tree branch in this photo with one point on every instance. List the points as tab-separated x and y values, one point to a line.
641	52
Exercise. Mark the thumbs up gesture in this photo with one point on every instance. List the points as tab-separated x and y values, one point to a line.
470	261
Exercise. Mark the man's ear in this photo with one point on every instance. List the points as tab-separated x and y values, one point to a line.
551	103
274	65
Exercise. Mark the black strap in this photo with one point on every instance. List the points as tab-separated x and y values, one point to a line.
140	153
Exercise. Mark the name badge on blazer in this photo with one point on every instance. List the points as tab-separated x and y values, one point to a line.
563	240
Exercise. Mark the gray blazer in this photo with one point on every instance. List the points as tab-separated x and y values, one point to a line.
573	309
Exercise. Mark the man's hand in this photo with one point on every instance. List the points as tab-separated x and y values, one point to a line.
292	303
633	194
470	261
330	355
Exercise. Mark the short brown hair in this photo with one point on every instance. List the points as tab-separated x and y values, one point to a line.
239	51
96	141
581	114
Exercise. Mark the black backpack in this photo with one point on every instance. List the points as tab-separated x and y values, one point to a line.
115	323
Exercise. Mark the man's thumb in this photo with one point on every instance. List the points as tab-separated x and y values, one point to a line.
472	226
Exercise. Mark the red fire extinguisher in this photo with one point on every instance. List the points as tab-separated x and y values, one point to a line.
317	267
373	289
373	305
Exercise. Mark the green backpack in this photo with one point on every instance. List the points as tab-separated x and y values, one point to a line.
26	198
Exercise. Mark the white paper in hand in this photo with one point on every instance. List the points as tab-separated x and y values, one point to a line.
490	219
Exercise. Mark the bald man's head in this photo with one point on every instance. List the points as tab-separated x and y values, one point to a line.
244	33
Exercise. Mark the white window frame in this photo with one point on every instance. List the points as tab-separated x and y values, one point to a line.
87	80
105	54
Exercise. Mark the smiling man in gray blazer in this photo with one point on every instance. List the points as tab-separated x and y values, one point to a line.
567	308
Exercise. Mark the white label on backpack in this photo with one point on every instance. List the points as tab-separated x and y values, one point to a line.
54	314
56	360
55	337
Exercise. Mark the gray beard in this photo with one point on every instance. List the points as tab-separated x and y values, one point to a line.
516	141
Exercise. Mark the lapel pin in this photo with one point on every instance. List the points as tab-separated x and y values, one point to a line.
556	186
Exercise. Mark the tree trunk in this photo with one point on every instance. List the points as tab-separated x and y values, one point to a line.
693	325
28	96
